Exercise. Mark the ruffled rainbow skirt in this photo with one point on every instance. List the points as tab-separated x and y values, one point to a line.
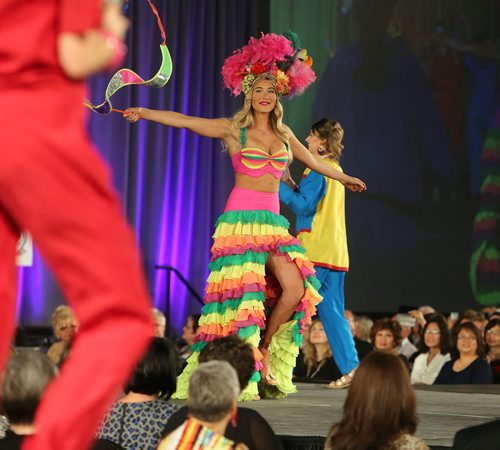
240	295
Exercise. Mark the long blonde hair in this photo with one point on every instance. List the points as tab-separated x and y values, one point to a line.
244	117
309	349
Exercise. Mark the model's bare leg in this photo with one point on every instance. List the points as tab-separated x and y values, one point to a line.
292	285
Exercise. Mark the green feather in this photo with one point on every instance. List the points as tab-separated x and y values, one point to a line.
293	38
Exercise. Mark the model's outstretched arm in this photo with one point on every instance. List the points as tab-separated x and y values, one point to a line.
214	128
318	165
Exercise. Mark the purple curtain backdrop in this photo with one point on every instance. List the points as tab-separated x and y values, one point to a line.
173	183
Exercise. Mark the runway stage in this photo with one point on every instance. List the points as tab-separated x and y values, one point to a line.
442	411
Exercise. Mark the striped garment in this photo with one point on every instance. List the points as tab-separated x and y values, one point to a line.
192	435
255	158
240	295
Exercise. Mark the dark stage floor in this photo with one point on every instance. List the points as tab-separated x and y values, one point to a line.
442	410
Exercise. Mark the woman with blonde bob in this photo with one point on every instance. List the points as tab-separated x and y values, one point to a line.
65	326
380	408
256	264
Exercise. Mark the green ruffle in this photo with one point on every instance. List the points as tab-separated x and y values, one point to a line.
198	346
246	332
256	216
292	249
232	303
181	393
283	356
314	282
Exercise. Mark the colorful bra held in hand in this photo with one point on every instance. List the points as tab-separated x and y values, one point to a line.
255	162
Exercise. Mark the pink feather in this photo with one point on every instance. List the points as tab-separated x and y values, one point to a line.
300	76
268	49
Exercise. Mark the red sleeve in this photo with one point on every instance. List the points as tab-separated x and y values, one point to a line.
76	16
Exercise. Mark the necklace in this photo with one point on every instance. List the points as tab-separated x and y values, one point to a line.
320	366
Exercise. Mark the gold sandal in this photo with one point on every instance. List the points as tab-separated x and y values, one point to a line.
343	382
269	379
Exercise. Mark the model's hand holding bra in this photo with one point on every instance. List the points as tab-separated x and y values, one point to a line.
133	114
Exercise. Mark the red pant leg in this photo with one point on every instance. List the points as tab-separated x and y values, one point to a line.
8	240
56	187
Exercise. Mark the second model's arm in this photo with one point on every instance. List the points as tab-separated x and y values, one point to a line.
317	164
305	198
214	128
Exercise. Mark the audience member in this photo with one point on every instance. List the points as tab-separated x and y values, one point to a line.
137	419
488	311
251	428
25	378
419	315
380	408
315	361
406	347
65	326
386	336
364	328
160	322
426	309
188	334
467	365
434	350
212	403
363	346
4	426
476	317
495	314
492	339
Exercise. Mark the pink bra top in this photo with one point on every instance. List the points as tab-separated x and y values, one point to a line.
256	162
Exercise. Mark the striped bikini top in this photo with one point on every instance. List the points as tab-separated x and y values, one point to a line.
256	162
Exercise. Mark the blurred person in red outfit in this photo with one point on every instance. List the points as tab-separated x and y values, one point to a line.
54	185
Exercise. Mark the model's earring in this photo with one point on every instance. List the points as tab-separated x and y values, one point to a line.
321	150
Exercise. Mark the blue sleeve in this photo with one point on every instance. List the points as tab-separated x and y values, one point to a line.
305	199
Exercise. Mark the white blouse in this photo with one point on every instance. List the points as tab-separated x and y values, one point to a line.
426	373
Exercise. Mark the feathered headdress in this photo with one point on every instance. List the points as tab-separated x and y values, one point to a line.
278	55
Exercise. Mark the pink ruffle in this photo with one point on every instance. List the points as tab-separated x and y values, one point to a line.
300	76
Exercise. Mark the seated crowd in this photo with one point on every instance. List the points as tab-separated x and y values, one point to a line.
421	347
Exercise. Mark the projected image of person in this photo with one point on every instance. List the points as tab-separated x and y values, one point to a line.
260	278
397	142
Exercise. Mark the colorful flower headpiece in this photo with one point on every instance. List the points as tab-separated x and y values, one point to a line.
274	54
